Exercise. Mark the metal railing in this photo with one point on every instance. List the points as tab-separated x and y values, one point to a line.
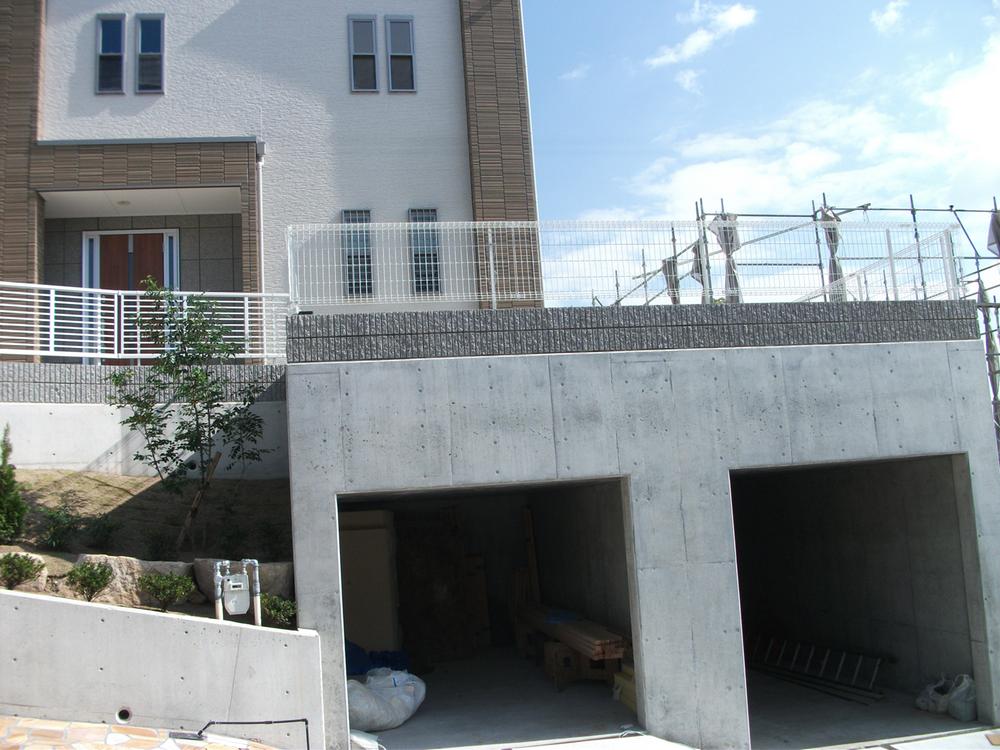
101	324
482	264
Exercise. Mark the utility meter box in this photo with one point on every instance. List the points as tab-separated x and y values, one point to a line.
236	593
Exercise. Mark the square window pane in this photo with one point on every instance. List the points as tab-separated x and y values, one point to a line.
109	73
401	70
364	72
111	36
399	37
150	36
150	73
364	37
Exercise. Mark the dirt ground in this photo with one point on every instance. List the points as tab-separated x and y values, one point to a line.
135	516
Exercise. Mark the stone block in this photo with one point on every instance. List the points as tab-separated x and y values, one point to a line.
126	571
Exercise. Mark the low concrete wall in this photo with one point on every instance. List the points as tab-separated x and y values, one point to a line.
65	659
675	423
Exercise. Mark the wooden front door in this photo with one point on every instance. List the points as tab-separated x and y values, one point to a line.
125	262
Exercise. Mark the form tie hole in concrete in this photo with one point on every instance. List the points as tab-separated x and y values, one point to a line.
124	715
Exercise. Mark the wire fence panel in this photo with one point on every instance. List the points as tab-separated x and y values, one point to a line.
102	324
484	264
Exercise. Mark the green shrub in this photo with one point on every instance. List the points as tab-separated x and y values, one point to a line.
12	505
58	525
278	610
101	532
90	579
16	569
166	588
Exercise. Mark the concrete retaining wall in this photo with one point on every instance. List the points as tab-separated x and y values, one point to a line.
90	437
65	659
60	419
675	424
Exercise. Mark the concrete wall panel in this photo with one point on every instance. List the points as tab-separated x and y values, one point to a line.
680	421
170	671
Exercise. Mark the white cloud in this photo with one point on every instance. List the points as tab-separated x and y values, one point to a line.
719	21
938	143
888	18
577	73
687	79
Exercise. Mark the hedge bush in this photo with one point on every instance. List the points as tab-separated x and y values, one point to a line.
16	569
278	610
90	579
166	588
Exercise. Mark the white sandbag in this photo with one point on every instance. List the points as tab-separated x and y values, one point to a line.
384	700
934	697
962	699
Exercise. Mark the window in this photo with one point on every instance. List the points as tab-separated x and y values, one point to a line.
399	33
149	47
111	54
361	30
357	253
424	244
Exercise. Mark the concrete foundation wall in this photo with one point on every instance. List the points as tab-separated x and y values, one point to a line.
867	557
675	423
580	543
66	659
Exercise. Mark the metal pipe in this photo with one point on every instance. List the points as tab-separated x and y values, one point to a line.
218	590
916	238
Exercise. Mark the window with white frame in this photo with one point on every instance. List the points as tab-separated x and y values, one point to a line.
110	54
399	47
361	40
425	244
149	54
357	243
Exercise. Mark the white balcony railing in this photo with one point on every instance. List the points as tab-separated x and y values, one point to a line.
472	264
101	324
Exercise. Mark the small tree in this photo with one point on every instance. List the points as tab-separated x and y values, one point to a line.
90	579
12	505
181	405
16	569
166	588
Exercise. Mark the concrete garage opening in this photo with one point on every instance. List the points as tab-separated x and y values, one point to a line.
441	578
853	592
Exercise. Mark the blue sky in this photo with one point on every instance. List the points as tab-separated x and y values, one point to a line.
639	108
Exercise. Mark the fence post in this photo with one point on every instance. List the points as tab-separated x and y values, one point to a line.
117	344
52	321
892	265
246	324
492	269
951	278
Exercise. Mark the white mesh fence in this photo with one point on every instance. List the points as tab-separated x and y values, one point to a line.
366	266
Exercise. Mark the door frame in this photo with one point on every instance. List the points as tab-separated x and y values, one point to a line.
90	253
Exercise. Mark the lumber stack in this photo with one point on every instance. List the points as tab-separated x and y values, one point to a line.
624	688
591	640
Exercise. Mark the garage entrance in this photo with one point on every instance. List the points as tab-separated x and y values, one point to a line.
497	599
853	591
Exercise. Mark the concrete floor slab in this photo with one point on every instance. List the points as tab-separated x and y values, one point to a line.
784	716
498	699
